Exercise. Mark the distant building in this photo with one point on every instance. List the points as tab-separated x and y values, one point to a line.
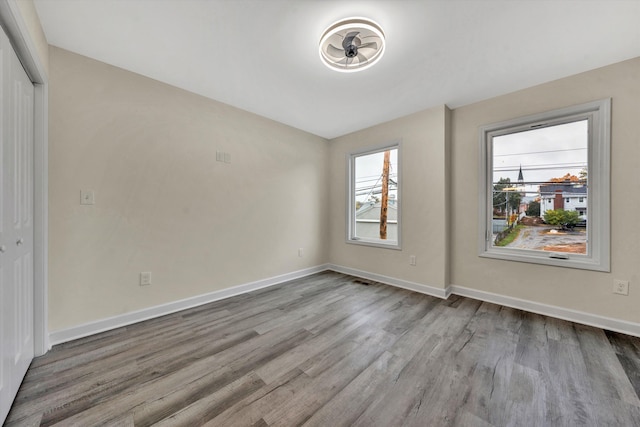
520	177
567	196
368	220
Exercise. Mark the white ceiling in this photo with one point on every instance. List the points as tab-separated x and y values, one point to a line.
262	55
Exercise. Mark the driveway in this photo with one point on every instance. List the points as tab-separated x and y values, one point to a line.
546	238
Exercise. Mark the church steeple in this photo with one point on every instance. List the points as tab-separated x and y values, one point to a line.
520	177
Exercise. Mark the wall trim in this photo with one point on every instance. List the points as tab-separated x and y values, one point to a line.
102	325
616	325
399	283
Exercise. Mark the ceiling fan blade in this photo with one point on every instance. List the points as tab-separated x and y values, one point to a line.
362	59
348	39
370	45
335	52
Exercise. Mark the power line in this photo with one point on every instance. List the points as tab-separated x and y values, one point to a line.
568	184
370	176
540	152
533	165
541	167
372	179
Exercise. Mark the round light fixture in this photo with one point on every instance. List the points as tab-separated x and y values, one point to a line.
352	44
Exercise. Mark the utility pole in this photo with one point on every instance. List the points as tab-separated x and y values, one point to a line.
385	196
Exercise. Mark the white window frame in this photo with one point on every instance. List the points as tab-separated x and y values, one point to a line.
598	114
351	211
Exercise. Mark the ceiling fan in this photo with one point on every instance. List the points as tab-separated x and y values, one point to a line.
352	44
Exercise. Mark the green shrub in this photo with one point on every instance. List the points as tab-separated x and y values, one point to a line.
566	219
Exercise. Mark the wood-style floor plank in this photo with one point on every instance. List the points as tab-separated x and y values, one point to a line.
333	350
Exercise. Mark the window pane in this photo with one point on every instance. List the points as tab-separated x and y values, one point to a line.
540	188
544	188
375	197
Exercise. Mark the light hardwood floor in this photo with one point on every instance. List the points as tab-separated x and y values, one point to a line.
334	350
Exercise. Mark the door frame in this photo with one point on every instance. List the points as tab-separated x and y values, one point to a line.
22	41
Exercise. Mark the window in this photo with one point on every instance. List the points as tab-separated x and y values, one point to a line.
373	205
534	170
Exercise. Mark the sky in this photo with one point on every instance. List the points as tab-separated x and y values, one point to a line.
544	153
369	171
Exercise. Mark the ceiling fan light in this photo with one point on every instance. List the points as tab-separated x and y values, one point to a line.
352	44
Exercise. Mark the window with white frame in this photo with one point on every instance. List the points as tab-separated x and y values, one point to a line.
373	205
540	175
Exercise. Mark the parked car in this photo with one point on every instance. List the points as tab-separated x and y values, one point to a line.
582	221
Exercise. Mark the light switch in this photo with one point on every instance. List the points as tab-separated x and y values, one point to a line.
87	197
223	157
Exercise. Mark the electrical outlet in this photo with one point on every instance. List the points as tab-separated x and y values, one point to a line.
145	278
412	260
621	287
87	197
300	252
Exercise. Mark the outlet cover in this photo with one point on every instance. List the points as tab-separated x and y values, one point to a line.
145	278
621	287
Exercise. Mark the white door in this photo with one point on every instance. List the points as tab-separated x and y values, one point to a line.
16	224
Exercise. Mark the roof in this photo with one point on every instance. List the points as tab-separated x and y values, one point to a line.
370	210
565	188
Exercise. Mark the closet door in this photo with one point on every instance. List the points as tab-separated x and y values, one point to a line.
16	224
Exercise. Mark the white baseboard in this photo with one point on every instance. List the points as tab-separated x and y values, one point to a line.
119	321
617	325
412	286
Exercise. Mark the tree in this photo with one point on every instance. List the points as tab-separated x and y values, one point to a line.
566	219
583	174
534	208
500	191
568	178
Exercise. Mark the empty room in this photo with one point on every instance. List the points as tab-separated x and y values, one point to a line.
319	213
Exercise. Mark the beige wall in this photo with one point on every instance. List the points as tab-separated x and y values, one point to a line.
433	179
163	203
581	290
424	199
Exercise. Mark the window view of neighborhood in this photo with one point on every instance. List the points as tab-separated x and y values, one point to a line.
540	188
375	195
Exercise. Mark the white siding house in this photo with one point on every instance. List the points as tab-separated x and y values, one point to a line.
368	220
570	197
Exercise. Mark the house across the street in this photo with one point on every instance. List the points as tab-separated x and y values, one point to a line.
567	196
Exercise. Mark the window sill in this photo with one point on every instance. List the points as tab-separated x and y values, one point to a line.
374	243
557	259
